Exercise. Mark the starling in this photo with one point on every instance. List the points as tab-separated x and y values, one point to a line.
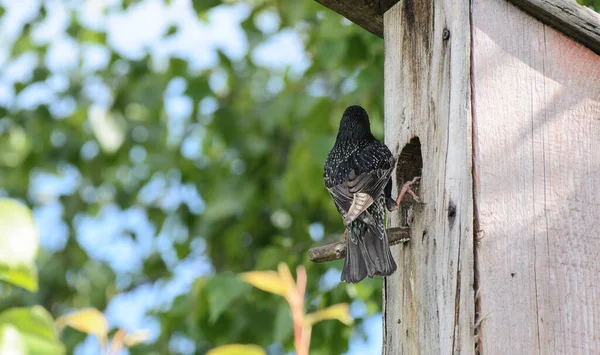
357	175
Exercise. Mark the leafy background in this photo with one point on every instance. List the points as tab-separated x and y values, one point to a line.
165	146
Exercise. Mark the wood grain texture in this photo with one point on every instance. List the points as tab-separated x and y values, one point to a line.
429	301
366	13
567	16
536	115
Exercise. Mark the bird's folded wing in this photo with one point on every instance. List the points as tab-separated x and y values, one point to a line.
341	196
360	203
355	195
364	189
371	183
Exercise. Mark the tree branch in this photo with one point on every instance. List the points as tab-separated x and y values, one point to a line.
337	250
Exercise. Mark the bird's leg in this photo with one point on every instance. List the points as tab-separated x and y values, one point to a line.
406	189
345	234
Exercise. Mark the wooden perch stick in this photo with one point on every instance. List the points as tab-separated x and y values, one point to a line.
337	250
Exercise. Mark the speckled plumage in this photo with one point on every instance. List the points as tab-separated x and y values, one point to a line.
357	175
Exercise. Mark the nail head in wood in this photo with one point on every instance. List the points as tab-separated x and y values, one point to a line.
445	34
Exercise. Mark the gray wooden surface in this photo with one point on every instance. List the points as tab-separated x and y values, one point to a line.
429	302
568	17
536	113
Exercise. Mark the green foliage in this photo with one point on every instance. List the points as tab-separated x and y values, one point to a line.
203	5
283	284
29	331
242	172
237	349
224	290
24	330
18	245
594	4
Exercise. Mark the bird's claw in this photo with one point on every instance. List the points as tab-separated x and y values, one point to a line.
415	197
406	189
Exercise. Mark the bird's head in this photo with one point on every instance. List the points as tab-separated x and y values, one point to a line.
355	124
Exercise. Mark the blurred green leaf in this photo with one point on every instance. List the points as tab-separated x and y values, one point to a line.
268	281
237	349
222	291
338	311
137	337
14	147
283	324
19	245
171	30
108	128
30	329
595	4
87	320
11	341
203	5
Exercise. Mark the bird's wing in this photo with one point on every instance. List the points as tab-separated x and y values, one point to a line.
371	183
357	181
369	176
360	202
344	200
341	196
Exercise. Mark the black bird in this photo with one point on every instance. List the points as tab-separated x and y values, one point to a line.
357	175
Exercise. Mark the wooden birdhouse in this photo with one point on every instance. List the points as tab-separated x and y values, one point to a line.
496	105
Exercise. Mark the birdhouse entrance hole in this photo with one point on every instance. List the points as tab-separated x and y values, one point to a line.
410	163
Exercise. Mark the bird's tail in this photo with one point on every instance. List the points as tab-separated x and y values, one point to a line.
367	253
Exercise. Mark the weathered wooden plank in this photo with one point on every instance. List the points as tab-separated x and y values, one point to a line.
366	13
570	18
337	250
429	301
536	114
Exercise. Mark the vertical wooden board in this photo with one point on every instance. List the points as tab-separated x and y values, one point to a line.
429	301
536	117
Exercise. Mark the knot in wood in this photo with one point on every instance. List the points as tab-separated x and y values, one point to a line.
340	251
